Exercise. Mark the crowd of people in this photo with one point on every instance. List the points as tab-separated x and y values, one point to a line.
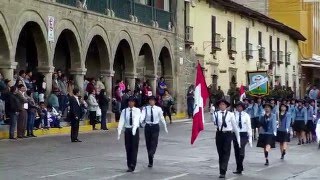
265	121
26	105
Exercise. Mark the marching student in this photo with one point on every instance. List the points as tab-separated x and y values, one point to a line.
292	111
300	121
226	126
315	116
283	134
151	116
275	108
244	127
130	120
309	125
258	111
268	131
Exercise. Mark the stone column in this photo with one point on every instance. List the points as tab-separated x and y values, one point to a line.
169	82
78	75
107	80
153	82
47	71
131	79
6	69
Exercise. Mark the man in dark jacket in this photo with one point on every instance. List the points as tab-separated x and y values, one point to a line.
75	114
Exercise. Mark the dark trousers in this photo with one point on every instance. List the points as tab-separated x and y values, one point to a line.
223	142
190	103
22	123
30	123
104	118
63	103
151	133
13	123
74	129
240	152
93	118
132	146
167	112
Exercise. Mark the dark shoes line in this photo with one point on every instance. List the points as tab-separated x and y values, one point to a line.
76	140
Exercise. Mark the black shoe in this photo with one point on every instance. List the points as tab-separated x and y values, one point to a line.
25	136
129	170
32	135
237	172
13	138
267	163
74	141
222	176
283	154
77	140
150	165
299	143
19	137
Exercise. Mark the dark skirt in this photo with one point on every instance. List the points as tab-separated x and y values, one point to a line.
299	126
310	126
93	117
266	139
283	136
255	123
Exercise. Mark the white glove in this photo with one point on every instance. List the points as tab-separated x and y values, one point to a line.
118	137
134	130
239	144
250	142
166	129
275	134
287	130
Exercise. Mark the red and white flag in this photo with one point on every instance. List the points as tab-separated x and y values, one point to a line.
242	93
200	97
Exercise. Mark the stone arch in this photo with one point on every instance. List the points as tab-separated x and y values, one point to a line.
97	42
6	44
146	58
165	65
67	55
30	41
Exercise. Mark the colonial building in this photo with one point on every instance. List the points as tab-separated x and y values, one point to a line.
233	39
118	39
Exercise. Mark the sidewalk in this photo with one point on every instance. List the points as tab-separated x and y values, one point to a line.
84	127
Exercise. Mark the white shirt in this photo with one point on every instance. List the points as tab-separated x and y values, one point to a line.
230	121
125	119
246	124
157	115
77	98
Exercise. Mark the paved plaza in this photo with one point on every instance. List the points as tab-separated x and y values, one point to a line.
100	157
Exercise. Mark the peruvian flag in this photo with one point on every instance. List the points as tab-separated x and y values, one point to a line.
242	93
200	97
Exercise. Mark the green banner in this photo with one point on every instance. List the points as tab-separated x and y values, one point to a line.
258	83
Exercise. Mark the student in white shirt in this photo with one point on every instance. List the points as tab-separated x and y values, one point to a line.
152	115
243	121
226	126
130	120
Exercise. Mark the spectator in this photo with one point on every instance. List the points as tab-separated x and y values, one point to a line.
85	83
53	117
92	107
124	100
32	109
138	86
100	85
122	86
15	76
28	81
190	100
23	107
59	74
103	104
116	103
53	99
91	85
162	85
2	83
55	83
167	102
63	98
314	93
20	79
8	84
11	109
42	87
43	112
138	98
70	86
147	92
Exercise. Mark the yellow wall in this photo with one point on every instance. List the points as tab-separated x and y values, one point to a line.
299	16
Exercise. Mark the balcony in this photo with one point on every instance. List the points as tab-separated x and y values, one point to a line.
262	54
216	45
232	45
189	35
125	9
273	57
249	51
287	63
280	57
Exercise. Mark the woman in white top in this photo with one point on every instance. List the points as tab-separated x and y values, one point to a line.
92	107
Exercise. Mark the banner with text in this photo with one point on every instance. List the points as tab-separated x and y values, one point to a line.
258	83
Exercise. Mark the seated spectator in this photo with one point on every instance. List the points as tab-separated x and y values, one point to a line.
53	117
43	112
53	99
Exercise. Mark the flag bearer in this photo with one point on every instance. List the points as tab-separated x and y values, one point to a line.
244	127
226	126
267	131
151	116
300	121
130	120
283	133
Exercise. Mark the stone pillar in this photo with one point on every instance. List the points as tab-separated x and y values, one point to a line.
153	82
169	82
107	80
6	69
47	71
78	75
131	79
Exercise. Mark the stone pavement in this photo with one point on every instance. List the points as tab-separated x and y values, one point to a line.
100	157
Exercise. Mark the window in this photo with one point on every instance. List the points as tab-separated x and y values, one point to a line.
213	34
248	46
278	49
260	38
231	42
270	49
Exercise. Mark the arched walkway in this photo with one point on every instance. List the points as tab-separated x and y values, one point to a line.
145	64
31	48
4	47
165	67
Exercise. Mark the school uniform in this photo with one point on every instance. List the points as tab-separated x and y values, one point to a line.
258	111
244	127
267	131
152	116
226	126
283	134
292	111
130	121
300	120
310	113
275	110
249	110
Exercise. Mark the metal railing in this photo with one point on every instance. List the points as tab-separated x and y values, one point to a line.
144	13
273	56
163	18
249	51
67	2
280	57
262	53
189	34
233	44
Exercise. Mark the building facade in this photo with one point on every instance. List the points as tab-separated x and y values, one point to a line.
260	6
118	39
233	40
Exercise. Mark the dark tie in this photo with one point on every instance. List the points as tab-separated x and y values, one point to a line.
151	114
130	118
224	124
240	122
